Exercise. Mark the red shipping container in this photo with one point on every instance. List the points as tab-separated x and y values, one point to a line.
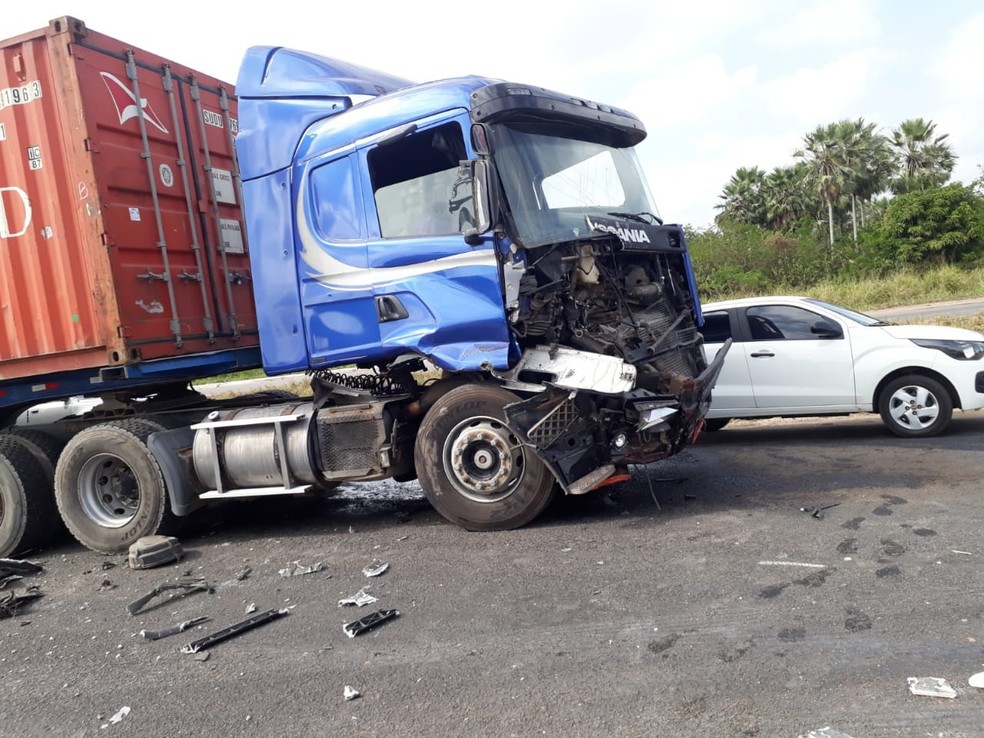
121	234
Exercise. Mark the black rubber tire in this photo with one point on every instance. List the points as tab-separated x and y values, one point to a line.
907	425
711	425
456	414
28	517
44	447
122	445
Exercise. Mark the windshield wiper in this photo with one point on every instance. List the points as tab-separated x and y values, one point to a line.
647	218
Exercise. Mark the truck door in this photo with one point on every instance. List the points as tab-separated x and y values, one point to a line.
434	293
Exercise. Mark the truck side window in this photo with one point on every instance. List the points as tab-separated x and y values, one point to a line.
335	208
412	179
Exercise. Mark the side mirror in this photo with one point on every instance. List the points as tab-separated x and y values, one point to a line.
826	329
470	199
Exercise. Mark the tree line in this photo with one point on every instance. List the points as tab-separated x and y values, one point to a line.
854	201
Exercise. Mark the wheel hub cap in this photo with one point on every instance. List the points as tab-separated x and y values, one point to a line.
483	459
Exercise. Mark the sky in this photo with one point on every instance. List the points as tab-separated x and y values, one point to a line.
718	84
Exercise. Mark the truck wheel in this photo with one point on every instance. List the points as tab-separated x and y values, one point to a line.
473	469
27	508
108	486
915	406
43	447
712	425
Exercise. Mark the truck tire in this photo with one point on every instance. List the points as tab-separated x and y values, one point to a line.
43	447
27	507
473	469
915	406
109	487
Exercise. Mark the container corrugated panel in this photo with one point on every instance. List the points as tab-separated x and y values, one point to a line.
121	234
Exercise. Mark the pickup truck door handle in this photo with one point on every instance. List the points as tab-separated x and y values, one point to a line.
761	354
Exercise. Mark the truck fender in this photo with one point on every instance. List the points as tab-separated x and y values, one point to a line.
172	449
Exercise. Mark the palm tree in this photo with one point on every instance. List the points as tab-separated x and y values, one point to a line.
924	159
869	163
743	197
828	165
784	196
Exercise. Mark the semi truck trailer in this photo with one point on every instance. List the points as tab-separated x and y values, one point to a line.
469	272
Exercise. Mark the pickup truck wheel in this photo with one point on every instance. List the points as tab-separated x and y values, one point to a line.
108	486
27	508
915	406
473	469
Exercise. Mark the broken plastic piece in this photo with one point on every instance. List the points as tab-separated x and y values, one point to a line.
931	687
15	566
251	608
151	551
4	581
376	568
233	630
186	586
11	601
295	569
351	693
370	621
155	635
360	599
202	656
977	680
817	511
243	573
825	733
123	712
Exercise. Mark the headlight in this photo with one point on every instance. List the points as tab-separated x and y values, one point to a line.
962	350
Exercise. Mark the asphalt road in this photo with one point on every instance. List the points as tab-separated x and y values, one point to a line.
723	610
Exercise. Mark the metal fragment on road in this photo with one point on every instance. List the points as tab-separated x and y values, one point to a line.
120	714
977	680
827	732
11	601
817	510
931	687
351	693
156	635
376	568
792	563
184	586
17	566
370	621
359	599
4	581
243	573
251	608
296	569
234	630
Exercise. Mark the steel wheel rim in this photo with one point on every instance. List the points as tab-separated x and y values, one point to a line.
914	407
108	491
484	460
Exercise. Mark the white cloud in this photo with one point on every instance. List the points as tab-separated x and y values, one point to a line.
819	95
826	22
959	66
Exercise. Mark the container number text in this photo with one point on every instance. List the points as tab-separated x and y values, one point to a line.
20	95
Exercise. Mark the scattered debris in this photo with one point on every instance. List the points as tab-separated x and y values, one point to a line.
825	733
251	608
123	712
185	586
295	569
360	599
376	568
11	601
234	630
151	551
15	566
155	635
817	511
202	656
370	621
243	573
792	563
977	680
9	579
962	553
107	565
931	687
106	585
351	693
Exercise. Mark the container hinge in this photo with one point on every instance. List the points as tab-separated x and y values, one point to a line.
150	276
90	146
235	277
187	276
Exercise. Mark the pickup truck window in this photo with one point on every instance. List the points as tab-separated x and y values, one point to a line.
412	180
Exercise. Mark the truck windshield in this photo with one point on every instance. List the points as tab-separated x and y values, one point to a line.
552	182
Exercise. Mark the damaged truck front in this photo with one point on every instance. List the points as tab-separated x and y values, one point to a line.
503	233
